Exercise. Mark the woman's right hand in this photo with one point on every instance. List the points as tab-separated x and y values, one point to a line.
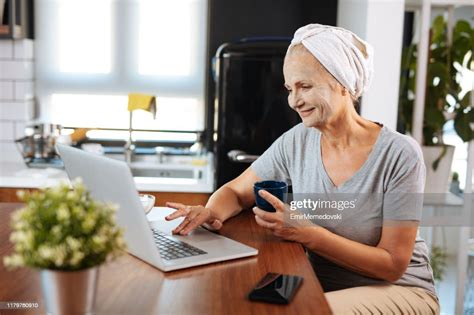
194	217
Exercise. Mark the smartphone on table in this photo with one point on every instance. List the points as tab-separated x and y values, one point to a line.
276	288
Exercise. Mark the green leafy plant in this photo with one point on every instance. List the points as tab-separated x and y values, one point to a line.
438	262
444	98
63	229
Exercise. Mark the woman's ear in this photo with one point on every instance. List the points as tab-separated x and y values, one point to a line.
344	91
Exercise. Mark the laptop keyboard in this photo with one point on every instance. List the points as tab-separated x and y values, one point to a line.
173	248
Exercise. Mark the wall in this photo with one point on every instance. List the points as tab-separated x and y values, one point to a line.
228	21
379	22
16	94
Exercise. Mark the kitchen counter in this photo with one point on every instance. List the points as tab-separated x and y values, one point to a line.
18	175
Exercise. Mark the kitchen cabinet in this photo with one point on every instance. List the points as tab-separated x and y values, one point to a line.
9	195
186	198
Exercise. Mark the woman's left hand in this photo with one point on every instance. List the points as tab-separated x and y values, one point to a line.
280	222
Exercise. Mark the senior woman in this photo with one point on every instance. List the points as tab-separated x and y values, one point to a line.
371	260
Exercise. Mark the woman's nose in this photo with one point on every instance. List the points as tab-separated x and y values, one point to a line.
295	101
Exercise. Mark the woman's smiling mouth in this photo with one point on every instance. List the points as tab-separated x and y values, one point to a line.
305	113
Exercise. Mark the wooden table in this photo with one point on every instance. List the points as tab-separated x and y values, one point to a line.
130	286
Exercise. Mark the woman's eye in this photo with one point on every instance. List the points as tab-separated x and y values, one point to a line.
306	87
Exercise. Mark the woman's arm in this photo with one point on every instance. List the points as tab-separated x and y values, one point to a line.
226	202
387	261
234	196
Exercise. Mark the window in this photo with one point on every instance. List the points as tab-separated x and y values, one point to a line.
91	53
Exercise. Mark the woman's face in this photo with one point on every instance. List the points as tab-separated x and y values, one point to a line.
312	91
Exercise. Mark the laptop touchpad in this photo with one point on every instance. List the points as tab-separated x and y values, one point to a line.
156	217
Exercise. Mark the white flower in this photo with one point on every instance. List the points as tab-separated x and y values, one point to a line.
121	242
20	194
78	211
20	225
63	213
26	240
17	215
71	195
113	207
59	255
76	258
73	243
56	192
77	181
14	260
56	230
89	222
21	236
99	242
46	252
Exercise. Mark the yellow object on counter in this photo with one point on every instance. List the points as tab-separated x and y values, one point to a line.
199	162
79	134
142	101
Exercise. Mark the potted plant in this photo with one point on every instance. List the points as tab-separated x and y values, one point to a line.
438	263
66	235
445	100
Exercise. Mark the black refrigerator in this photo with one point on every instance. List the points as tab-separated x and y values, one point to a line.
250	108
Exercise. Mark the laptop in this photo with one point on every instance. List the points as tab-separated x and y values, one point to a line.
109	180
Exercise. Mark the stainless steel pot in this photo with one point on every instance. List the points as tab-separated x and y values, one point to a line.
43	130
39	141
69	292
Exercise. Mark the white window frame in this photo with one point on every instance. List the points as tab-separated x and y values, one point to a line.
124	76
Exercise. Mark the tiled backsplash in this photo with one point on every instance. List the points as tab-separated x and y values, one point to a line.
16	93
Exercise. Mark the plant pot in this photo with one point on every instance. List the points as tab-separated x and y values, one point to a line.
437	181
69	292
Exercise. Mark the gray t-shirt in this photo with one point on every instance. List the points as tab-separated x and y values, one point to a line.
388	187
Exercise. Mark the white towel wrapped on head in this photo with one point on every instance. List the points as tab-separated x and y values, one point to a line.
347	57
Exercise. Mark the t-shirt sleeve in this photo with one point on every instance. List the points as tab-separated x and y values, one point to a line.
273	164
403	200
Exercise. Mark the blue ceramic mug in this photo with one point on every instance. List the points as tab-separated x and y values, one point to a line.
276	188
